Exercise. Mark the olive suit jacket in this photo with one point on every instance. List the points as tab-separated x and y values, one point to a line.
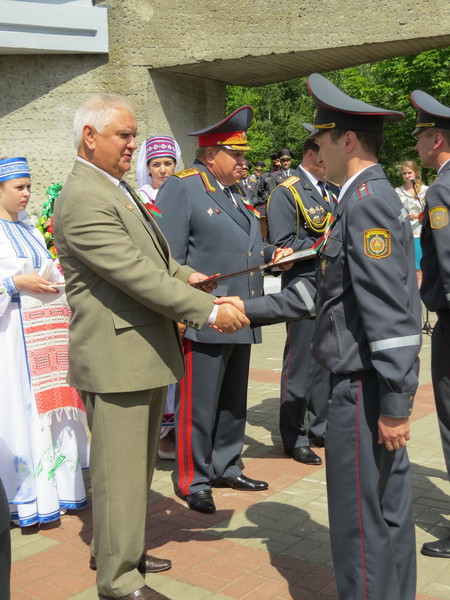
123	287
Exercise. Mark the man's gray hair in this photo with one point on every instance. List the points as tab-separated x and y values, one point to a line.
97	111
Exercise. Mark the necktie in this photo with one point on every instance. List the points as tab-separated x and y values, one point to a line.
230	195
324	189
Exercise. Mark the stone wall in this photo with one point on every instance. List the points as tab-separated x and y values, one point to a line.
174	58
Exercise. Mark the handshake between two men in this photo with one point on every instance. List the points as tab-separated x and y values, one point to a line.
295	301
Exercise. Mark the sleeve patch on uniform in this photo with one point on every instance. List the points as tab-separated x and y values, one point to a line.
438	217
377	243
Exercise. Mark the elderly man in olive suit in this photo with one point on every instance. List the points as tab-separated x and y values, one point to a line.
126	294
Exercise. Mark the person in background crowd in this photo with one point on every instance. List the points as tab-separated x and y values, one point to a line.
258	168
368	336
433	146
158	158
285	171
44	443
298	213
126	294
245	183
412	195
267	184
210	227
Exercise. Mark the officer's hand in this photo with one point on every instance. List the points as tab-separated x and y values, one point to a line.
234	300
281	253
393	433
229	319
181	329
197	278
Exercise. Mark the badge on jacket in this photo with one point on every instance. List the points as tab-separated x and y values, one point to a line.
438	217
377	243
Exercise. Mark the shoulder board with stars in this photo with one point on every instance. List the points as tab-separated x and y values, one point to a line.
290	181
193	171
187	173
364	190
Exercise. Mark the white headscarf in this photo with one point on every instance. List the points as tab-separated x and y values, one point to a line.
142	174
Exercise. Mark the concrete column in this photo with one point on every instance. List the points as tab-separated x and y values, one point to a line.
177	104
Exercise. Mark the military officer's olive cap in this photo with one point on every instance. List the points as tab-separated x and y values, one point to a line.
230	133
260	163
431	113
336	110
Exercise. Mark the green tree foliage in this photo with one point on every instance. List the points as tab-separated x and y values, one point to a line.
281	108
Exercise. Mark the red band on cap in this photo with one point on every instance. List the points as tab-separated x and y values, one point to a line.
226	138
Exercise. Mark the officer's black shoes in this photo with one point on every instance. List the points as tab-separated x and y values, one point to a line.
245	484
201	501
305	455
441	548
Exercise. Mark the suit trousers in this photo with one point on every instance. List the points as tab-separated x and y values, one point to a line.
369	498
440	373
5	545
210	414
125	431
305	388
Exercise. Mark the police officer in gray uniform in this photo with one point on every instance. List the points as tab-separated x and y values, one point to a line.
207	224
298	212
433	146
368	335
285	158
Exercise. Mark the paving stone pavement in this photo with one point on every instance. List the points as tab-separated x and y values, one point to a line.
258	545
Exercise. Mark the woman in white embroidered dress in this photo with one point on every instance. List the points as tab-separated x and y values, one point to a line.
157	159
43	442
412	195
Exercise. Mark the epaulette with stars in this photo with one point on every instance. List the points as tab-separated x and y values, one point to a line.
364	190
193	171
290	181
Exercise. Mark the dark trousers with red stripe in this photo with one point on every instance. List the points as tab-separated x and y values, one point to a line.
440	372
305	389
210	414
369	498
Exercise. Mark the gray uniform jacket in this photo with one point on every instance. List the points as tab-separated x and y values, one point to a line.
288	226
435	242
265	187
367	305
208	233
294	302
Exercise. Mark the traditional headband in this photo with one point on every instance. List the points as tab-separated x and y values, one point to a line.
13	168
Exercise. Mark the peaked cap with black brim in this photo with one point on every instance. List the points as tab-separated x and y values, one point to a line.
230	133
431	113
336	110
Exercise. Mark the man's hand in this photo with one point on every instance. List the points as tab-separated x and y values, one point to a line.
234	300
181	329
393	433
198	277
229	319
281	253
